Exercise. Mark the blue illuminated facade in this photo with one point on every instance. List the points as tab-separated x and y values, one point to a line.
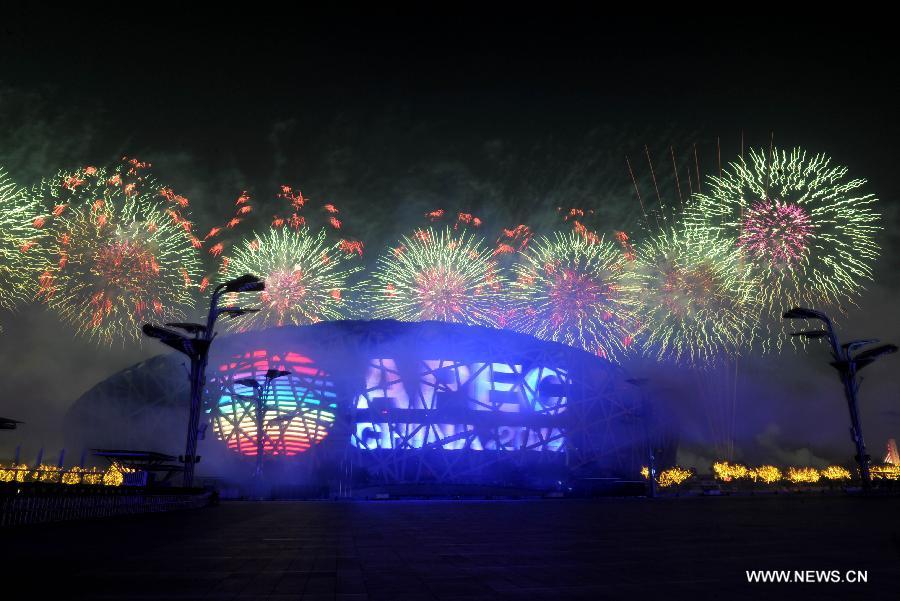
394	402
462	407
386	402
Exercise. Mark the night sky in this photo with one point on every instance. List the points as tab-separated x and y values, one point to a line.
501	114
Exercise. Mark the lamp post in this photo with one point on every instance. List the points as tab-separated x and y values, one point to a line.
9	424
260	400
848	366
647	414
196	347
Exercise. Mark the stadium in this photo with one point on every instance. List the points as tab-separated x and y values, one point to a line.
382	403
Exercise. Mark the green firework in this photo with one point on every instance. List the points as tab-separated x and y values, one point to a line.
117	252
19	235
576	291
803	228
306	278
696	305
439	275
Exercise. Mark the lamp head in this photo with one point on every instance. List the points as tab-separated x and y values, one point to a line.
248	382
803	313
276	373
245	283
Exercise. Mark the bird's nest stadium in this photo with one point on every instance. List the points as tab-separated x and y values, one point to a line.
369	403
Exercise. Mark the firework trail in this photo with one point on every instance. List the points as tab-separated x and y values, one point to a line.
118	251
329	215
571	289
576	217
242	207
438	275
510	243
463	219
513	240
306	277
467	219
803	228
20	222
222	238
696	307
625	244
297	202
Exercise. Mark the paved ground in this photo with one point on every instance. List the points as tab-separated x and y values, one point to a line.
552	549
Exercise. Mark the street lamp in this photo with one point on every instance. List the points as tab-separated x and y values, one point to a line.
646	413
196	347
9	424
848	366
260	400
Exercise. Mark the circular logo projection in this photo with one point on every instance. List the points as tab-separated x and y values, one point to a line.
284	396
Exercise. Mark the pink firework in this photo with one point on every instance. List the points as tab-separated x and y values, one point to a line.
574	294
285	290
571	290
442	293
776	230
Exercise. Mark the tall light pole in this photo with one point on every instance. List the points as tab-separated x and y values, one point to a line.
260	400
197	350
646	414
848	366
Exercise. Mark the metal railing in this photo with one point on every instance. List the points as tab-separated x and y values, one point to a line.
34	503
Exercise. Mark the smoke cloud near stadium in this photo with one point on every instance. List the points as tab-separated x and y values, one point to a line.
392	117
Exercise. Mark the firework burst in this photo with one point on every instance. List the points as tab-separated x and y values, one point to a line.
118	252
695	305
306	277
575	290
18	237
438	275
803	228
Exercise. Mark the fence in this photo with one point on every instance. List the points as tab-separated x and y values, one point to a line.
27	503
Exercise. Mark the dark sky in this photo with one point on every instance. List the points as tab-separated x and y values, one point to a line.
390	114
218	83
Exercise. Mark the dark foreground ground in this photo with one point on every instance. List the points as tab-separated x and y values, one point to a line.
695	548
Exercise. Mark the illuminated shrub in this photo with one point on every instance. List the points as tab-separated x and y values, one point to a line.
674	476
835	472
114	476
885	472
767	474
803	475
726	472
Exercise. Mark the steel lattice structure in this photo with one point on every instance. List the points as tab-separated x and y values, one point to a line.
141	407
383	402
298	413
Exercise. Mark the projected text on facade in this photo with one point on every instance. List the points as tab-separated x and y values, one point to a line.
455	406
